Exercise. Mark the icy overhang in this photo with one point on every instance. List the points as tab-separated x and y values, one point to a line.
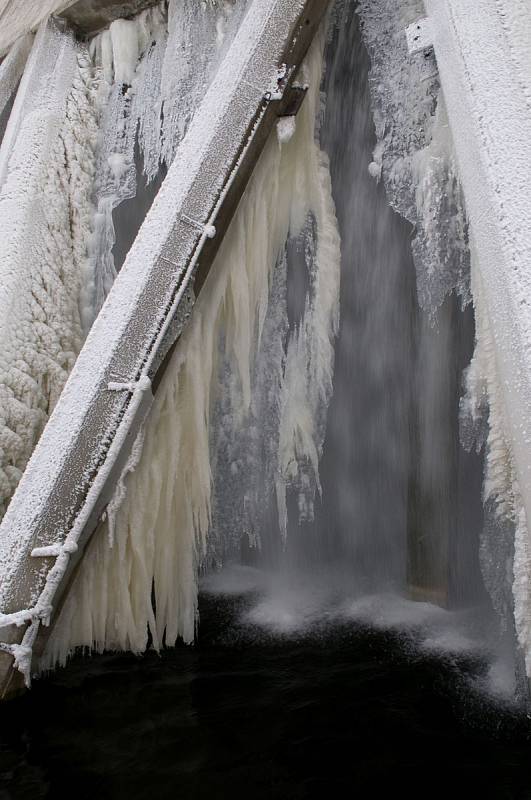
90	16
18	17
483	51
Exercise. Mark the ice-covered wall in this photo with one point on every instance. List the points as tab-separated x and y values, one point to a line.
46	172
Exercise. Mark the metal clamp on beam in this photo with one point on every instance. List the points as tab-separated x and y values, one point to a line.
143	384
294	97
419	35
208	230
420	43
54	550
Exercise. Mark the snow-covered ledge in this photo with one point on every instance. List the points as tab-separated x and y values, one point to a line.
483	51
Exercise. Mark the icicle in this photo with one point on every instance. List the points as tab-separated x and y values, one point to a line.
278	445
522	581
482	422
155	67
198	36
148	103
162	525
307	384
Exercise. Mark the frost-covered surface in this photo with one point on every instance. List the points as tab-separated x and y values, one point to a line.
159	533
47	166
414	152
483	55
18	17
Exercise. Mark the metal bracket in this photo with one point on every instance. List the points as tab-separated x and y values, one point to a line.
53	550
420	42
294	97
419	35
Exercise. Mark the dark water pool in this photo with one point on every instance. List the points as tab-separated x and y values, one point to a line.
342	712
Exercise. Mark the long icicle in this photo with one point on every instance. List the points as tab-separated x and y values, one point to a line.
160	531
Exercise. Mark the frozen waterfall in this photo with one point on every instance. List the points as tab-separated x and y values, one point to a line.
359	439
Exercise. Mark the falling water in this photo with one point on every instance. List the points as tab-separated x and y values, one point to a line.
363	516
394	476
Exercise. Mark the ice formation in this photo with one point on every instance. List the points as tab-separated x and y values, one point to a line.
487	93
84	125
142	582
155	68
414	152
504	548
46	170
483	426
